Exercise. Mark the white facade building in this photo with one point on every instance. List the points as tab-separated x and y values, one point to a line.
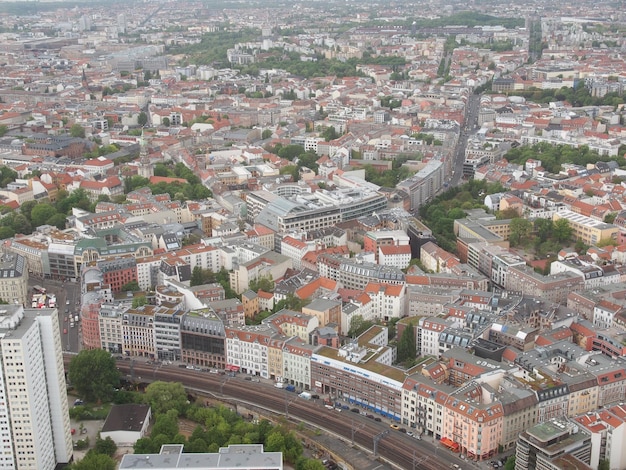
33	391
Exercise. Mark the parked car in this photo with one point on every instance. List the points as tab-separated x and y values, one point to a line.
354	410
394	426
377	419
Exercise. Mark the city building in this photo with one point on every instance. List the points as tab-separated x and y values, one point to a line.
361	373
171	457
553	445
126	423
13	279
202	339
589	231
34	413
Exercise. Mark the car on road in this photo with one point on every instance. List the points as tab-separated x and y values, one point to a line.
409	433
394	426
402	430
64	331
315	396
354	410
377	419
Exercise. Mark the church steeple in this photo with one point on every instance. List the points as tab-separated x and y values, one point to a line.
145	166
85	82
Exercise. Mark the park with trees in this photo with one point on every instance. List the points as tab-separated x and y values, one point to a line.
93	375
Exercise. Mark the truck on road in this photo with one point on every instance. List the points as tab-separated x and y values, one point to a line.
306	395
76	318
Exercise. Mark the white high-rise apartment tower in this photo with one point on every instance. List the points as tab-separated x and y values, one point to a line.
34	413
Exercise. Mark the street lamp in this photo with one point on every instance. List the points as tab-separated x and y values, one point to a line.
222	385
354	429
287	403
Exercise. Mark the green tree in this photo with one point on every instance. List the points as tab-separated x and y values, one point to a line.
3	130
266	134
309	464
105	446
139	301
275	442
166	121
58	221
197	278
77	131
6	232
41	213
7	175
407	349
291	151
94	375
166	424
520	231
265	284
142	119
94	461
543	227
358	325
21	224
610	217
161	170
132	286
27	207
510	463
562	231
165	396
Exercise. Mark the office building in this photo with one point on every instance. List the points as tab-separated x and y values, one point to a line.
553	445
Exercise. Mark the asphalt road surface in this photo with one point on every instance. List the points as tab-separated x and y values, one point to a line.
64	292
471	124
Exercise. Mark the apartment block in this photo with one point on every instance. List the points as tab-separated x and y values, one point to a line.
34	413
554	288
13	279
607	429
